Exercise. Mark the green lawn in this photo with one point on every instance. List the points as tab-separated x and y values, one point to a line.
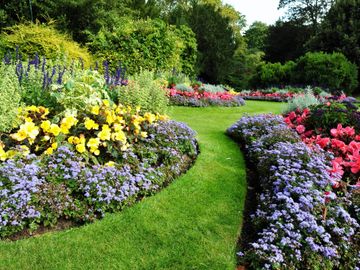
192	224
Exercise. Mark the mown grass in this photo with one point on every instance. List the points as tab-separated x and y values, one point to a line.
192	224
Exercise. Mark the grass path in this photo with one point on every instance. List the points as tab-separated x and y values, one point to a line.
192	224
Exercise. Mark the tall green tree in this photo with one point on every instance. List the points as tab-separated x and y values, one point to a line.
286	41
308	11
256	36
216	41
340	31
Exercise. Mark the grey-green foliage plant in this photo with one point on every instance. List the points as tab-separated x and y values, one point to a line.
145	91
212	88
302	102
81	90
184	87
9	97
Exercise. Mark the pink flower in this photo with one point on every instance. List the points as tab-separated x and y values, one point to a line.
300	129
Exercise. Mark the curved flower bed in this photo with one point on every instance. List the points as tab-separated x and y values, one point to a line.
77	168
300	223
204	99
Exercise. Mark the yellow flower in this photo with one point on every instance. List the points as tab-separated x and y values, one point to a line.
67	122
3	155
149	117
90	124
110	164
54	129
93	143
105	133
32	108
54	145
119	136
25	150
27	130
162	117
95	110
44	111
144	134
106	103
110	117
49	151
71	139
64	129
45	125
95	151
124	147
81	148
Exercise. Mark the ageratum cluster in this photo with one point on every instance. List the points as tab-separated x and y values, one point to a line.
41	190
300	223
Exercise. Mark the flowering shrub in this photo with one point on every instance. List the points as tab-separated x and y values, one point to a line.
41	190
204	99
300	222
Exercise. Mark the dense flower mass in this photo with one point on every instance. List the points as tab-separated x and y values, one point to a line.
66	184
301	222
204	99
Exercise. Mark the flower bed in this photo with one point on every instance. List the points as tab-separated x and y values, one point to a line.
204	99
79	166
284	95
300	222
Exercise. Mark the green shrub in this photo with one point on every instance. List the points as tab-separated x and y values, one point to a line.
80	91
146	44
274	74
331	71
44	40
145	91
302	102
9	97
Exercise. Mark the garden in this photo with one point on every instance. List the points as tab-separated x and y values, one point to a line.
130	140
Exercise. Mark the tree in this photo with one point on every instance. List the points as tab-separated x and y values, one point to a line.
308	11
286	41
216	41
340	31
256	36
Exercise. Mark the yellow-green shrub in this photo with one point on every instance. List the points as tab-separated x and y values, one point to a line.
44	40
9	97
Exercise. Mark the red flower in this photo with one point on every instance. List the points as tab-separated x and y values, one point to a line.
322	142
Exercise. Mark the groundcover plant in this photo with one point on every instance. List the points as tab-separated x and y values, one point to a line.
300	221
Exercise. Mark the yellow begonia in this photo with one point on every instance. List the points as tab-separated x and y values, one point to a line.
150	117
45	125
67	123
106	103
27	130
71	139
95	110
25	150
54	129
3	155
93	144
81	148
119	136
90	124
51	149
110	117
110	164
105	133
144	134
